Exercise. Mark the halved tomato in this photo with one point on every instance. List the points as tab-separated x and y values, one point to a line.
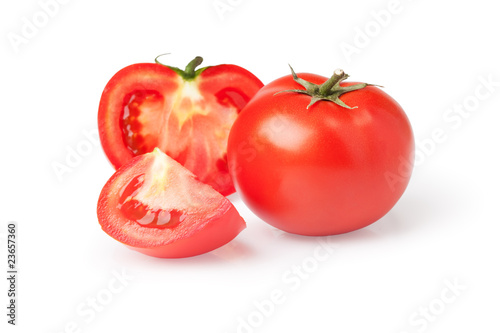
156	206
186	113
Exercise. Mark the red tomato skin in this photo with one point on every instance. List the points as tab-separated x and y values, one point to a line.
200	236
227	84
324	170
217	233
161	78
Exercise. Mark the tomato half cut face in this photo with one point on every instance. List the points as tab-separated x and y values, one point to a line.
151	105
156	206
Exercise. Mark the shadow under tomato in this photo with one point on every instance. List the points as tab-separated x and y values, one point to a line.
231	252
361	235
415	212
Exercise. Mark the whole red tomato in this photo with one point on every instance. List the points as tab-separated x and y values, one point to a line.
186	113
317	156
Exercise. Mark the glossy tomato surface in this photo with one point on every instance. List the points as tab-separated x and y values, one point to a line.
155	206
324	170
150	105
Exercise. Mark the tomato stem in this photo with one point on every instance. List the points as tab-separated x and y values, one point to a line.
336	78
330	90
190	73
190	68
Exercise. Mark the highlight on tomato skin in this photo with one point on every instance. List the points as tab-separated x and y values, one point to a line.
157	207
185	113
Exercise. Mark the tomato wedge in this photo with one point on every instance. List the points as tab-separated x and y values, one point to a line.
185	113
157	207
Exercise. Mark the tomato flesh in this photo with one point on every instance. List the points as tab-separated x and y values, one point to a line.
141	213
156	206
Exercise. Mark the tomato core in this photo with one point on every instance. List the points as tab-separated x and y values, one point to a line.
141	213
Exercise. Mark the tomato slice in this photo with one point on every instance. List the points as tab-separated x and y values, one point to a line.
188	117
157	207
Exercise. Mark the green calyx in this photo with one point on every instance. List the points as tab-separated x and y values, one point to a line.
190	73
330	90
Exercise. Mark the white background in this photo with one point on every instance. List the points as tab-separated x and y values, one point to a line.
430	56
